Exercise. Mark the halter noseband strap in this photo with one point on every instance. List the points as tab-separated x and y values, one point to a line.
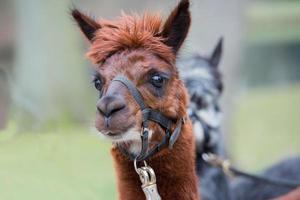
152	115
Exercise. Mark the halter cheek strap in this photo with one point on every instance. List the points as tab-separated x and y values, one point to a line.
149	114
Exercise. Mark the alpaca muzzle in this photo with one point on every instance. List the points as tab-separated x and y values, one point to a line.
156	116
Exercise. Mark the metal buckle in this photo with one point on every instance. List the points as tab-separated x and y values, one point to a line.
148	180
144	130
215	160
135	165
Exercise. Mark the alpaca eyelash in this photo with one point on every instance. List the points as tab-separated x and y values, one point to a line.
96	76
94	80
162	74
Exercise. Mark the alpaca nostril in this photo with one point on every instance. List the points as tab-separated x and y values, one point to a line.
100	111
114	110
110	105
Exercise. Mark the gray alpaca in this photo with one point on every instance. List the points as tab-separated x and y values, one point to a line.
204	83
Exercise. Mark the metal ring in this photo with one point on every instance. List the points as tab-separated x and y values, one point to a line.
226	168
210	158
144	130
135	165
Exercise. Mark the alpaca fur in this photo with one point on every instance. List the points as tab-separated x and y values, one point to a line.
247	189
136	47
293	195
174	169
129	32
203	80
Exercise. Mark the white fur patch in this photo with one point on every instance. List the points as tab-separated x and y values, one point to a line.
210	116
136	145
198	72
199	133
135	148
131	136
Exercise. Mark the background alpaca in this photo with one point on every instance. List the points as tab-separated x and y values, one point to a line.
204	84
287	169
143	49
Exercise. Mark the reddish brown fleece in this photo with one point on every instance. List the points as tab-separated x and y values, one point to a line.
175	171
293	195
136	46
129	32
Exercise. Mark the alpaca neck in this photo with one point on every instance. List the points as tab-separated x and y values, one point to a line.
174	169
214	183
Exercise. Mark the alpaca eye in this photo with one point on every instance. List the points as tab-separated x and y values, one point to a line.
98	84
157	81
199	101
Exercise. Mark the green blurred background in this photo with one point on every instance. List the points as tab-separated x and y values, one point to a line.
48	148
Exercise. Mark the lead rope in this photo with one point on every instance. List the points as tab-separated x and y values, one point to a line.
230	171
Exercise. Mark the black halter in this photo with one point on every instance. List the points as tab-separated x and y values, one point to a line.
149	114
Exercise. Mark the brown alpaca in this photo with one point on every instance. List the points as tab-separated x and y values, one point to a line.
293	195
143	49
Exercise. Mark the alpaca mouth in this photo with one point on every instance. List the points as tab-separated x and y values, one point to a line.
130	135
116	131
113	135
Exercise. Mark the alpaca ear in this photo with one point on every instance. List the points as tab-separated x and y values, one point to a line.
217	54
87	25
177	25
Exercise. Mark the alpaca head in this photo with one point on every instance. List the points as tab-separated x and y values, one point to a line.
143	49
203	81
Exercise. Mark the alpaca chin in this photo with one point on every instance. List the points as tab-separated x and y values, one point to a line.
130	140
199	134
135	148
133	143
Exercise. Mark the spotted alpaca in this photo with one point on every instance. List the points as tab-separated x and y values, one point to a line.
203	81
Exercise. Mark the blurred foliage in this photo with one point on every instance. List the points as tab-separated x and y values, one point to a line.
271	65
267	126
273	22
58	159
50	80
66	163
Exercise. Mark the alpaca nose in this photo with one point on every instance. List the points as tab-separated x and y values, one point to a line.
109	105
